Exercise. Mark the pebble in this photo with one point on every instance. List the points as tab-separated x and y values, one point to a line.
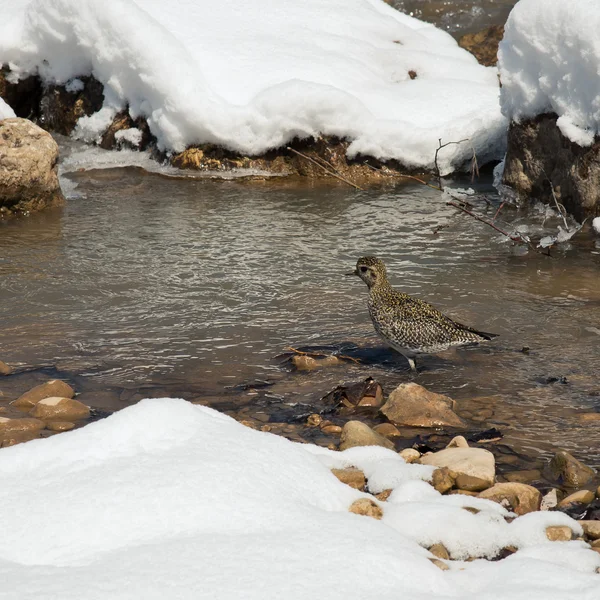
356	433
308	363
559	533
583	496
60	409
366	507
5	369
410	455
383	496
353	477
50	389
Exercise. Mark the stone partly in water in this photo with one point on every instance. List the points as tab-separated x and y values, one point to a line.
580	496
541	161
9	426
60	409
475	468
52	388
366	507
303	362
366	393
60	426
356	433
566	470
484	44
412	405
516	497
390	430
5	369
28	168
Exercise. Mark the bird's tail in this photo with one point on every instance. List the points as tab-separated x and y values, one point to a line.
483	334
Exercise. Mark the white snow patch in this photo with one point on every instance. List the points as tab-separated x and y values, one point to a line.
596	224
53	401
165	499
251	76
133	135
74	86
6	112
549	60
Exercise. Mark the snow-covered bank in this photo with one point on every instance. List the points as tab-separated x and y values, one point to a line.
549	61
6	112
169	500
252	76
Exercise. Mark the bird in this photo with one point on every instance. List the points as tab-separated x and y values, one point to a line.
409	325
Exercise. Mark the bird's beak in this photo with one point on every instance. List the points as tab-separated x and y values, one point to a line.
355	272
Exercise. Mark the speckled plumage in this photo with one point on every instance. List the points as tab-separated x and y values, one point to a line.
409	325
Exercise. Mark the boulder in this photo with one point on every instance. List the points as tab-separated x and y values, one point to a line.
60	409
566	470
538	153
516	497
356	433
5	369
475	468
28	168
52	388
412	405
18	437
353	477
366	507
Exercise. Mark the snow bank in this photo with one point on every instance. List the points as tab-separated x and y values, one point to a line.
250	76
6	112
549	61
169	500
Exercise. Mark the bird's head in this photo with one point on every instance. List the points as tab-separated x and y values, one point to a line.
371	270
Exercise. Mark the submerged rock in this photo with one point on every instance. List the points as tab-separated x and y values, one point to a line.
566	470
54	387
60	409
356	433
28	168
5	369
412	405
516	497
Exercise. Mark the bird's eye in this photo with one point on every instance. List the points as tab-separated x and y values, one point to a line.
364	269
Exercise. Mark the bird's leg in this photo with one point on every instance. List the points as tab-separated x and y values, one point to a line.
413	363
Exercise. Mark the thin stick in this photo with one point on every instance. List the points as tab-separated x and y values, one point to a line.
499	209
435	158
561	209
325	169
435	187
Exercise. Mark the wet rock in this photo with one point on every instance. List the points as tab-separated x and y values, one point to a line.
439	564
366	507
18	437
566	470
538	153
28	168
443	479
362	393
5	369
412	405
591	529
559	533
11	426
458	442
356	433
332	429
22	96
410	455
523	476
484	44
60	426
314	420
475	468
579	497
52	388
388	430
516	497
353	477
439	551
308	363
120	133
550	500
60	409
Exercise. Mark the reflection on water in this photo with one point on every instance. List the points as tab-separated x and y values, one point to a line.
144	285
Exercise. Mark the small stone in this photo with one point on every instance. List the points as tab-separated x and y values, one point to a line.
332	429
568	471
366	507
550	500
559	533
412	405
591	529
388	430
439	551
60	426
442	480
474	467
266	428
458	442
439	564
383	496
516	497
60	409
249	424
356	433
410	455
353	477
583	496
5	369
50	389
314	420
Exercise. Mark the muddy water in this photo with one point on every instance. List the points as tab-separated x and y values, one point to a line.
147	285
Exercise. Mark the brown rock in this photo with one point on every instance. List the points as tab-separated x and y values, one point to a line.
474	467
383	496
60	426
559	533
412	405
314	420
353	477
60	409
332	429
388	430
356	433
598	492
308	363
566	470
442	479
28	168
410	455
472	510
366	507
591	529
247	423
50	389
524	476
11	426
362	393
439	551
439	564
583	496
484	44
516	497
18	437
5	369
589	417
464	493
596	543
